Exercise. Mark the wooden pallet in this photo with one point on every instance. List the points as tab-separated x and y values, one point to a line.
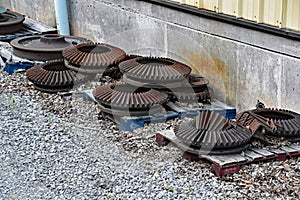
30	27
229	164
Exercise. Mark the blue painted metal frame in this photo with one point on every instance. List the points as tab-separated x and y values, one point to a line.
131	123
14	67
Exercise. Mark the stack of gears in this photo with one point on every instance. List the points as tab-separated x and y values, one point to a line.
147	80
167	75
70	60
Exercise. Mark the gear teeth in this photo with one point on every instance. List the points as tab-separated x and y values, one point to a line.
288	122
121	96
92	57
53	76
157	72
212	132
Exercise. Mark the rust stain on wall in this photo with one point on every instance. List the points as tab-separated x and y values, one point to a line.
218	73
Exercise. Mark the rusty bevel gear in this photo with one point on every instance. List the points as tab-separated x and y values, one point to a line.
123	99
196	90
93	57
154	72
286	121
213	134
53	76
44	47
117	74
255	123
11	22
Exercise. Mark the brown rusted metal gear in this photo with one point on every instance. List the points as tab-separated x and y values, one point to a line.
255	123
116	74
53	76
10	22
196	90
286	121
154	72
44	47
211	133
122	99
93	57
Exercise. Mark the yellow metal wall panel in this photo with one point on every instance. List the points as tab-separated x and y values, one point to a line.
229	7
281	13
292	18
210	5
252	10
272	12
191	3
197	3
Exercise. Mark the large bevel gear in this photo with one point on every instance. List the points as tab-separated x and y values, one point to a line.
154	72
10	22
122	99
286	121
211	133
53	76
196	90
93	57
44	47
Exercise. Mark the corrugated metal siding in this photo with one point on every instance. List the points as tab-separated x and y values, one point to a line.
280	13
292	15
272	12
230	7
210	5
252	10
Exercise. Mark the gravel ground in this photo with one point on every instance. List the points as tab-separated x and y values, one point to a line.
56	148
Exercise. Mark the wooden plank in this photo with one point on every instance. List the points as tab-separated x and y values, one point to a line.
225	160
252	156
220	160
262	152
277	151
221	171
288	149
169	134
294	146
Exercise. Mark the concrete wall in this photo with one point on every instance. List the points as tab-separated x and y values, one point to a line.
242	65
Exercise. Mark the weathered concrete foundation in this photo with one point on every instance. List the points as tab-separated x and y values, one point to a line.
243	65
